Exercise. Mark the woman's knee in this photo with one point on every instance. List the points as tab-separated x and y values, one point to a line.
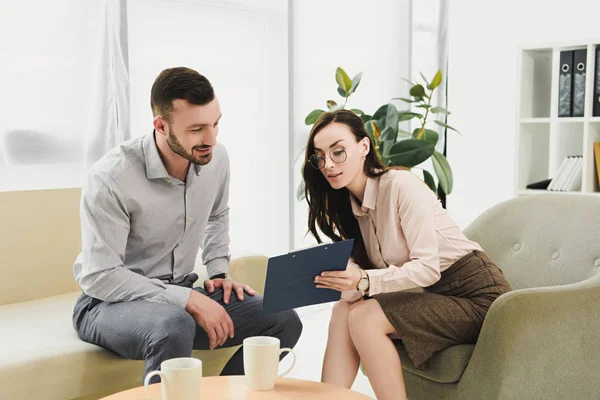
367	317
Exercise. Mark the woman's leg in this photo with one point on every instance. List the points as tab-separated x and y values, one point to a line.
341	362
370	330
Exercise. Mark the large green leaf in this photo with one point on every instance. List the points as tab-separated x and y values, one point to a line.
417	91
355	82
387	146
343	80
410	152
366	117
429	180
381	113
439	110
372	128
391	117
313	116
388	133
357	111
408	115
427	134
443	172
445	125
437	79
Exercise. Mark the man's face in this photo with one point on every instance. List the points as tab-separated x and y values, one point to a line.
193	130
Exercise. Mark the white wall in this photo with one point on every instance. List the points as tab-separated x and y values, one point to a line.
484	40
241	47
357	36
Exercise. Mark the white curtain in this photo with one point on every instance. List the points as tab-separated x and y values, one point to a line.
63	79
109	96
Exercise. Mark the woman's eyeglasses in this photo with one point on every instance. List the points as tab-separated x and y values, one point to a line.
337	156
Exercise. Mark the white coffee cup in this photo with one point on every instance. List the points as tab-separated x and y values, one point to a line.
181	378
261	362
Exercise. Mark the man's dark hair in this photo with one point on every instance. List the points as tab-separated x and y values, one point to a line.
179	83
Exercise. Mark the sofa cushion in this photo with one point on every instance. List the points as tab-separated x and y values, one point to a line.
42	357
446	366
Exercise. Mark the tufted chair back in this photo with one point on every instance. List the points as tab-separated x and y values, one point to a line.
542	240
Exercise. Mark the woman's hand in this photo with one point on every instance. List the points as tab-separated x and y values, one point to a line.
340	280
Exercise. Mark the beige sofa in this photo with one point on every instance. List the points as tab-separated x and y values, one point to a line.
41	356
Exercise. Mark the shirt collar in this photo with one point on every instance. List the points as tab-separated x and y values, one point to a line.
155	169
369	198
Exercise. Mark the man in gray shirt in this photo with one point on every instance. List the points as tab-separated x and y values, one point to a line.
146	208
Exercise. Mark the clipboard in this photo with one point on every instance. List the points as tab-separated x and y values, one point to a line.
290	277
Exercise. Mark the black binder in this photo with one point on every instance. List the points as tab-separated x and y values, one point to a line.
596	96
579	72
565	93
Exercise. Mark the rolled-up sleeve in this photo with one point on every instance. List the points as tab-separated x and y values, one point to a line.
415	207
100	268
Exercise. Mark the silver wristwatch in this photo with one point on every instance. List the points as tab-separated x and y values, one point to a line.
364	283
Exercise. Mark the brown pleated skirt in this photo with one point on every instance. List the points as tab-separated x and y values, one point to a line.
448	313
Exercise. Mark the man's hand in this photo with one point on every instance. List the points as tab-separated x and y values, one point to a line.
340	280
228	285
212	317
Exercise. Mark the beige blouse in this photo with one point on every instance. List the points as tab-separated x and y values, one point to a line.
408	235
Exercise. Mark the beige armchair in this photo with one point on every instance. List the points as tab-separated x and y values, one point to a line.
41	356
539	341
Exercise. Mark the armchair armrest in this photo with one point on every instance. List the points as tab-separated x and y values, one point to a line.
247	268
251	270
538	343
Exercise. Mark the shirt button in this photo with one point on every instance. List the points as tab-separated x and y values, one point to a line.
597	263
555	255
517	246
168	180
189	218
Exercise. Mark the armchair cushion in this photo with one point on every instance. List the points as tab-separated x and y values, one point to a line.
446	366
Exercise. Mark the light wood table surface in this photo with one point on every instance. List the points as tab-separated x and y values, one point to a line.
234	388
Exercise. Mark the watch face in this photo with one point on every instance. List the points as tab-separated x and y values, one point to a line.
363	284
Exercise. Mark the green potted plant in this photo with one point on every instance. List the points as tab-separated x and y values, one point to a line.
395	146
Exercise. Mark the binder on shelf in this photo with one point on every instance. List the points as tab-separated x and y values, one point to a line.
563	179
597	155
565	82
579	72
596	96
569	175
574	181
554	183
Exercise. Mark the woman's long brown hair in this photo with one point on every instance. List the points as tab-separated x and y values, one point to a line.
330	209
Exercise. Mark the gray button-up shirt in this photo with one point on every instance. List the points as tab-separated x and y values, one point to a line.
142	229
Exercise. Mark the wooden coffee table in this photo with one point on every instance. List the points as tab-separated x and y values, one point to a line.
234	387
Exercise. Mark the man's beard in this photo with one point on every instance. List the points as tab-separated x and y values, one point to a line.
178	149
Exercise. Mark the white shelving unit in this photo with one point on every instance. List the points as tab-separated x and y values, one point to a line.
544	139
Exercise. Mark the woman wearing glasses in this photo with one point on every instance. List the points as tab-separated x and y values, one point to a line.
404	241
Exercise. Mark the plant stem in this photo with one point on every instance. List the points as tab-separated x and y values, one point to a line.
427	111
425	117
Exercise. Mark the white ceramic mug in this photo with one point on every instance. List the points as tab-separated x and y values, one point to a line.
181	378
261	362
